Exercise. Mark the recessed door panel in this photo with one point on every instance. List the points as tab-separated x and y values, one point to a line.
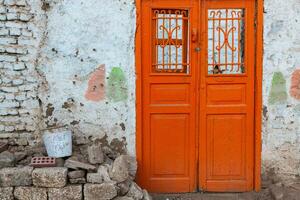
166	93
169	139
226	152
226	94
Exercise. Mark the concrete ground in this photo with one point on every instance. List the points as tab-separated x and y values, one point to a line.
272	192
264	195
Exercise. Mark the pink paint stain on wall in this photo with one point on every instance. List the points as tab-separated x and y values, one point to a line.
295	84
96	85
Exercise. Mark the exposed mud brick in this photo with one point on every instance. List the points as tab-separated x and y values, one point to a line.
104	191
74	164
135	191
17	176
120	169
30	193
77	180
7	159
6	193
76	174
71	192
95	154
50	177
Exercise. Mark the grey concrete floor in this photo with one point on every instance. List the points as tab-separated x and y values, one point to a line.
263	195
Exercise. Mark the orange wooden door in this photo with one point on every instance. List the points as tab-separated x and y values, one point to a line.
227	96
169	95
197	95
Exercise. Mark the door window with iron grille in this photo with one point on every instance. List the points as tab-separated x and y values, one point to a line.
170	41
226	36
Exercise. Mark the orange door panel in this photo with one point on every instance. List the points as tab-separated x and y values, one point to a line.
168	98
227	96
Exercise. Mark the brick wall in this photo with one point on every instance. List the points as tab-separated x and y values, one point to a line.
19	41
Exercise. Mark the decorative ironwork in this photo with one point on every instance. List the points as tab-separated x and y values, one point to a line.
226	36
170	41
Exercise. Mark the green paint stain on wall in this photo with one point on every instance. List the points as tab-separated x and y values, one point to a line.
278	92
117	85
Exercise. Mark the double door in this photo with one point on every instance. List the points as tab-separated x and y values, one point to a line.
197	95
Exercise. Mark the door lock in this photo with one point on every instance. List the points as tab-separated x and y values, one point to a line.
197	49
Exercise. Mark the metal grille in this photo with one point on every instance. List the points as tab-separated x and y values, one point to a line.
226	36
170	41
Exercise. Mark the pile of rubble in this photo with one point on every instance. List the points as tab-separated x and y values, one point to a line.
91	173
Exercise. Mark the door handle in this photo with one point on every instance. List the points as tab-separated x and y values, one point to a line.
194	35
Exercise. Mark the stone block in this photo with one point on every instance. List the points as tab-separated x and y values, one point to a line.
123	187
120	169
20	156
3	146
95	154
17	176
6	193
135	191
21	3
76	174
9	2
74	164
103	170
72	192
104	191
77	180
25	17
94	178
277	192
12	16
7	159
123	198
50	177
101	176
30	193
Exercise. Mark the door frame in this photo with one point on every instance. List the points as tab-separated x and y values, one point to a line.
257	90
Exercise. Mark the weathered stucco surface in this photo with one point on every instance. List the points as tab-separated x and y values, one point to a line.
87	61
78	70
281	132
